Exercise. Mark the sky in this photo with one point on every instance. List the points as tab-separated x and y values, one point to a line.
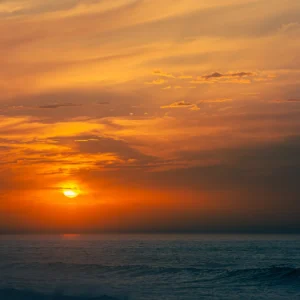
163	116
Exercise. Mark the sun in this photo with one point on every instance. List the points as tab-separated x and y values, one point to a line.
70	189
70	193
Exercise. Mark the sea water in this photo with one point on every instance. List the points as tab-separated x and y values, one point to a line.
149	267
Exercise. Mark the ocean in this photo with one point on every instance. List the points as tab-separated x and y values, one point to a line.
162	267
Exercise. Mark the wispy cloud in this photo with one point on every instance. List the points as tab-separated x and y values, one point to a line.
220	100
58	105
156	82
228	75
182	104
163	74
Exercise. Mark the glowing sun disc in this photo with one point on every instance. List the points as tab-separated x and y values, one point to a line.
70	193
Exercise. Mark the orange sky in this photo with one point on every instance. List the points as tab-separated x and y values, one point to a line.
174	115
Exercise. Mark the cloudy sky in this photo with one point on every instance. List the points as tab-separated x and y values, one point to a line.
174	115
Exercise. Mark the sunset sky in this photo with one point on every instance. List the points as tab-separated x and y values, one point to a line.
163	116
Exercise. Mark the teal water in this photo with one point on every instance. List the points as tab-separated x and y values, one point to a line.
149	267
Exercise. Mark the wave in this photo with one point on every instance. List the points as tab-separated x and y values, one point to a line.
278	272
138	270
185	275
272	275
14	294
193	278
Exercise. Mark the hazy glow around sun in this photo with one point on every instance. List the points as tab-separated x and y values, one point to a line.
70	193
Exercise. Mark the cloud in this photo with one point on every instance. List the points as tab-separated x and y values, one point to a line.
182	104
273	165
102	102
286	101
213	75
93	144
220	100
163	74
52	8
234	77
293	27
228	75
201	81
185	77
156	82
53	106
253	94
241	74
